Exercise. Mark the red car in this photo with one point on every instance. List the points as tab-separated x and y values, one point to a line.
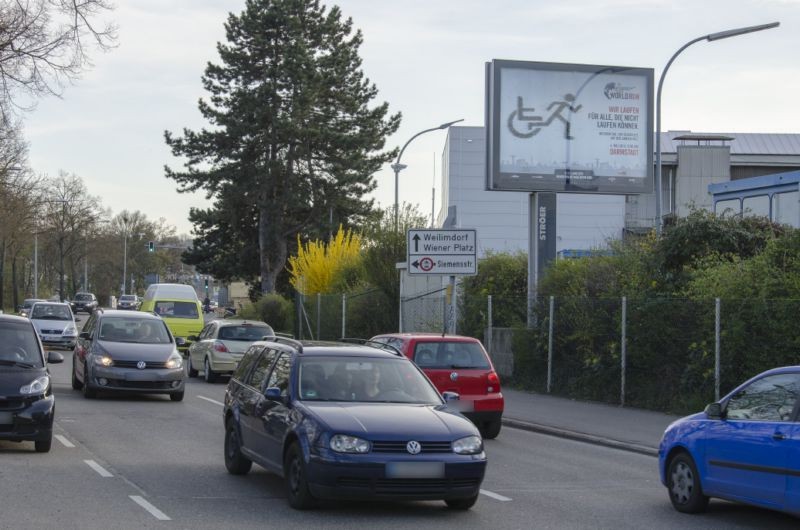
457	364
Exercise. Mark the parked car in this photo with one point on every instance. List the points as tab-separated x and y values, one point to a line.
180	308
340	420
86	302
127	351
461	365
743	448
27	404
221	345
55	324
24	309
129	301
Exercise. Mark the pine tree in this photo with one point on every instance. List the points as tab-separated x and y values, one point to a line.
294	134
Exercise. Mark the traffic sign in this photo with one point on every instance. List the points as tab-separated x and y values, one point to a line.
448	252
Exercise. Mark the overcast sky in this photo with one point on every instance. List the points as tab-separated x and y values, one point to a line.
427	59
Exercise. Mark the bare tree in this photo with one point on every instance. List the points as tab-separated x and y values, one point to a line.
45	44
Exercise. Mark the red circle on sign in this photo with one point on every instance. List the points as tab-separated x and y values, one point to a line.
426	264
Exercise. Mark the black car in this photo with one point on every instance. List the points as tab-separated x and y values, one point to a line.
127	351
26	395
348	421
84	302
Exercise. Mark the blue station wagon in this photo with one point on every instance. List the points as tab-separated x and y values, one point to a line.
744	448
347	421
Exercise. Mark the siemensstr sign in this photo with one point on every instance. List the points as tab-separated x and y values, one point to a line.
447	252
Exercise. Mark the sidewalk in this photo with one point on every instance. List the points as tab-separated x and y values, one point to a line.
629	429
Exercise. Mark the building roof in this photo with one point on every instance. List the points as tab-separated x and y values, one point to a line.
740	143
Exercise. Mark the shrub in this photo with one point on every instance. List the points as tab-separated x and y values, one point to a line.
273	309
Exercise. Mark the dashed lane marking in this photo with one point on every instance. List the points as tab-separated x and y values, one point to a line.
155	512
214	401
97	467
64	441
496	496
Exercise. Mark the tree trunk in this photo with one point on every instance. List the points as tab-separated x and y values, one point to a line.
273	252
2	272
14	286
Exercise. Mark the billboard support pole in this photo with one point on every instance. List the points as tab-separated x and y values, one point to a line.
541	244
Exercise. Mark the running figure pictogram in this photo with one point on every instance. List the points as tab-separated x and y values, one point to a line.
535	123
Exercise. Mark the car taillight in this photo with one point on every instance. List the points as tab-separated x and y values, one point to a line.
494	382
220	347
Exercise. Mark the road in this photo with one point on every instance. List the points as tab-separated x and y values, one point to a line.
146	462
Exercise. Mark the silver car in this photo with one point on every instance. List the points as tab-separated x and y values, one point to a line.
221	345
55	324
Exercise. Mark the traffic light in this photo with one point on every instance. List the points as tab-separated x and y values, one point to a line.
206	285
151	246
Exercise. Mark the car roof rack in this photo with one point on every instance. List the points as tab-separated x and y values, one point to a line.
374	343
296	344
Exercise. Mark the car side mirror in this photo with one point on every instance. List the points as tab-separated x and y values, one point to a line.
714	411
180	341
85	335
451	396
53	357
273	393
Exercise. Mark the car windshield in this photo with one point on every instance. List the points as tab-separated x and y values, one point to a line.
177	309
133	329
51	312
127	297
18	346
245	332
83	297
370	380
450	355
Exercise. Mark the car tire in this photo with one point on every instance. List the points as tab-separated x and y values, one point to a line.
683	485
43	446
76	384
235	462
491	429
177	396
191	372
461	504
294	471
208	375
88	391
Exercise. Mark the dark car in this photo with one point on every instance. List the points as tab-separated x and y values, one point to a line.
24	309
744	448
127	351
348	421
26	395
457	364
129	301
84	302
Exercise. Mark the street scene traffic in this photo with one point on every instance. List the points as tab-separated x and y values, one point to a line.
235	291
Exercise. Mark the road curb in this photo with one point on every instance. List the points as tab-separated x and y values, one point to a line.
580	437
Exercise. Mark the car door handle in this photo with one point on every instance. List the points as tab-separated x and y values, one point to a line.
778	436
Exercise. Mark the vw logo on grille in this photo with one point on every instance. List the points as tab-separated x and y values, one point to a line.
141	365
453	376
413	447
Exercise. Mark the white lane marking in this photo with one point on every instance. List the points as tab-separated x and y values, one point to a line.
214	401
155	512
496	496
97	467
64	441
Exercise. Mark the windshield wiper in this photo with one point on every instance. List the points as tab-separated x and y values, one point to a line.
21	364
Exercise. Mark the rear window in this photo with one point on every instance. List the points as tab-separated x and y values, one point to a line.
246	333
177	309
450	355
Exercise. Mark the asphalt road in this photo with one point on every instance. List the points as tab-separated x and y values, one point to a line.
146	462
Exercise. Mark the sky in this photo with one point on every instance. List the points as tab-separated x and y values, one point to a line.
427	60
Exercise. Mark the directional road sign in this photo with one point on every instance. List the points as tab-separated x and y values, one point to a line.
448	252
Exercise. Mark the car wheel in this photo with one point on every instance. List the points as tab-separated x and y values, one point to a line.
235	462
76	384
208	375
190	370
177	396
683	485
294	471
43	446
491	429
88	391
461	504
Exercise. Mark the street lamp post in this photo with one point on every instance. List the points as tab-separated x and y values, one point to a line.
397	166
710	37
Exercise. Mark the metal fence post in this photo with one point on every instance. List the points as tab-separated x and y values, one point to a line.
489	327
624	350
344	314
717	315
550	345
319	313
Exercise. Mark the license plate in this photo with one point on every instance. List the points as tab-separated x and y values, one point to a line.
415	470
462	405
6	418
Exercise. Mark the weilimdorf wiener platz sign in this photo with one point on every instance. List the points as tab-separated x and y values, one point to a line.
442	251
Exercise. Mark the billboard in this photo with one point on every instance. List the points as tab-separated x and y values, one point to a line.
570	128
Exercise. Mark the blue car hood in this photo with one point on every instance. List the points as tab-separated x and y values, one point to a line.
393	421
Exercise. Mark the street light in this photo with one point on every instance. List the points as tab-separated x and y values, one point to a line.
397	166
710	37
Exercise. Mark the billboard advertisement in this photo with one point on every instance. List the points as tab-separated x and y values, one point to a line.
569	128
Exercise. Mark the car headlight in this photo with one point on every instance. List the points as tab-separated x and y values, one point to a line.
470	445
70	330
37	386
103	360
341	443
175	360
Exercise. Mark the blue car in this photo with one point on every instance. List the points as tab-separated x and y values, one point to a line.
745	448
346	421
